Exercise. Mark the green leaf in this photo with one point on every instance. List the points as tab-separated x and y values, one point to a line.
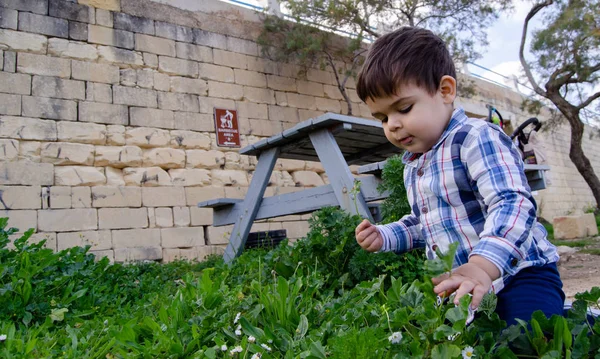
302	327
58	315
249	329
317	350
445	351
443	332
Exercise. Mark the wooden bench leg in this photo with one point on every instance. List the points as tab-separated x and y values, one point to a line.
252	202
339	174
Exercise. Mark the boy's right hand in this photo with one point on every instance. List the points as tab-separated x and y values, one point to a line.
368	237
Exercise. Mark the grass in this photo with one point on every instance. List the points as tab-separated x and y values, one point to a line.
574	243
594	251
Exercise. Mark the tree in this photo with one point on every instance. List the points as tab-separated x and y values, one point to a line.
461	23
567	61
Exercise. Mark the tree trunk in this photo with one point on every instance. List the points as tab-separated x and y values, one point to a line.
581	162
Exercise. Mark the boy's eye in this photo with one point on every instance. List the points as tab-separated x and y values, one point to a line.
406	110
384	119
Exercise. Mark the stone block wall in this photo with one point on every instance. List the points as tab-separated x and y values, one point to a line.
106	123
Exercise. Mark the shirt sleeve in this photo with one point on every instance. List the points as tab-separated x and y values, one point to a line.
401	236
495	165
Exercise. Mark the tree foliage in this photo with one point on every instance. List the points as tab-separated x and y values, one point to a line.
565	67
461	23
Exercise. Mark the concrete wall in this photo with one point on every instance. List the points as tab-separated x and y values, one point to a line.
107	130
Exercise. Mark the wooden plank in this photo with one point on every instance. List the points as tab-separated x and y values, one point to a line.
251	203
219	202
338	173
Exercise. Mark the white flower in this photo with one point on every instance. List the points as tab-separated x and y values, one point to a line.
238	332
224	348
251	339
237	349
467	353
2	337
453	336
270	341
266	347
439	301
237	317
106	322
395	338
257	356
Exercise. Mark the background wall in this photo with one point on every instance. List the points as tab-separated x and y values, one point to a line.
107	131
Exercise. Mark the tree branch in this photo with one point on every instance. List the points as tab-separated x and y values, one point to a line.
589	100
534	10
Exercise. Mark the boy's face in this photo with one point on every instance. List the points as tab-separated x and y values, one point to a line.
412	118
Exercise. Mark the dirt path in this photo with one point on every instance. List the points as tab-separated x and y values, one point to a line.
580	271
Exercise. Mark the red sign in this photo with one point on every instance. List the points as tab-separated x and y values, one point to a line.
226	124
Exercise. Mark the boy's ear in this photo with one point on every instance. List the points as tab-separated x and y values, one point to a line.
448	88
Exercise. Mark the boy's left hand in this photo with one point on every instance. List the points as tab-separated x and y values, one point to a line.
475	277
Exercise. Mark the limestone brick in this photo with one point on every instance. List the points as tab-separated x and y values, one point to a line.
9	150
49	238
162	82
118	157
137	254
263	65
74	50
297	229
236	192
133	23
10	104
194	52
23	41
281	98
328	105
42	107
111	37
151	117
206	251
211	39
177	67
146	137
60	197
134	97
225	90
302	101
332	92
250	78
187	85
71	11
218	235
307	179
135	238
280	83
95	72
208	104
120	218
20	197
114	177
22	220
284	164
181	216
216	73
190	139
253	110
96	92
149	177
150	60
182	237
205	159
230	59
78	31
114	5
30	151
304	115
78	176
97	240
43	65
81	197
194	121
67	220
201	216
232	161
229	178
163	196
315	167
155	45
570	227
313	88
163	217
104	18
164	158
44	25
58	88
174	32
8	18
190	177
178	102
320	76
194	195
10	61
26	173
106	253
151	218
128	77
145	78
259	95
103	113
61	153
283	114
81	132
114	55
19	84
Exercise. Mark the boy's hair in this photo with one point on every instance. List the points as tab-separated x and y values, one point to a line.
407	55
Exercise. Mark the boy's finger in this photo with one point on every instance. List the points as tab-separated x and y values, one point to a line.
449	285
478	294
362	226
439	279
373	243
465	287
365	233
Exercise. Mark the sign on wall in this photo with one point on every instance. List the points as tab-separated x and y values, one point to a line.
226	125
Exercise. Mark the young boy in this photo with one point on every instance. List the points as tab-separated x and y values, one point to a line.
464	180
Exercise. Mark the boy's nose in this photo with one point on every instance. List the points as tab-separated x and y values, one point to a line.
394	123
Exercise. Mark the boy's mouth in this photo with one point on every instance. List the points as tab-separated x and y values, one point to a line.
406	140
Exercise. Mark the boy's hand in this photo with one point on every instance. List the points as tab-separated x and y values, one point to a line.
475	277
368	237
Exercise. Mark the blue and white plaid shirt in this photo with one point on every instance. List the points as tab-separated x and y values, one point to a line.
470	188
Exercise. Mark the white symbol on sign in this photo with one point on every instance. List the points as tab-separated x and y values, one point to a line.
227	120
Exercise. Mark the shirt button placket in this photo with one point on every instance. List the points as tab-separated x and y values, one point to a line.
420	172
